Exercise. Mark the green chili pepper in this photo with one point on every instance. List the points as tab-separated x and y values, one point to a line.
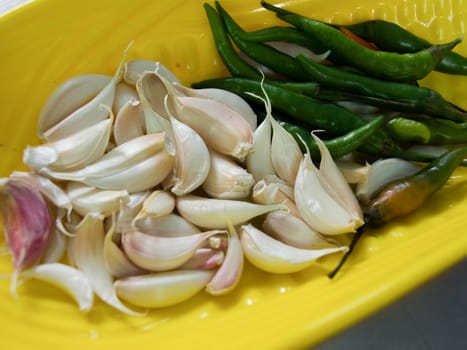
428	131
406	195
261	53
339	146
412	98
392	37
388	65
232	61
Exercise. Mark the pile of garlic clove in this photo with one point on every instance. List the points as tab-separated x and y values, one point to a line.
145	192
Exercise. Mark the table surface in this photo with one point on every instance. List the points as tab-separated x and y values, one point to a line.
432	317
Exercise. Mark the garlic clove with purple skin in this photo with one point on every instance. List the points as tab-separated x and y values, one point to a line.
26	222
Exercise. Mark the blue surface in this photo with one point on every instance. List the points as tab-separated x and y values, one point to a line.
432	317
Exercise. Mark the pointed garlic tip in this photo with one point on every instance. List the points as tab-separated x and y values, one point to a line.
123	94
162	289
259	162
70	96
87	254
229	273
381	173
87	199
273	193
227	98
214	213
129	122
72	152
226	179
293	231
162	253
271	255
171	225
192	160
228	132
316	205
338	186
26	222
69	279
88	114
158	203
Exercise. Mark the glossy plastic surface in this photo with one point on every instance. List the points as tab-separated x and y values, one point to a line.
47	41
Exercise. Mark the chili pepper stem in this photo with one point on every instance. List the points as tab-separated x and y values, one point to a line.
352	245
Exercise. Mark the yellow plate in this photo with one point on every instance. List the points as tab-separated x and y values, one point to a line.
48	41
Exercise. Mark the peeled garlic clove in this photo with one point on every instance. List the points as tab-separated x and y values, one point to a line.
158	203
135	68
26	223
171	225
354	173
225	97
293	231
226	179
162	289
192	160
72	152
214	213
89	114
264	193
228	275
86	199
156	253
338	186
129	122
317	207
88	248
123	94
259	162
204	259
222	128
116	262
69	96
69	279
271	255
381	173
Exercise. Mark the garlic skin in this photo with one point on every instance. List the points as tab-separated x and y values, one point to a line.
273	193
226	179
162	289
215	213
70	96
26	223
126	214
156	253
271	255
66	278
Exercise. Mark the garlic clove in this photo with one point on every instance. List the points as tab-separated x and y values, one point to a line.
226	179
272	193
156	253
123	94
353	172
204	259
67	278
129	122
26	223
192	160
135	69
293	231
128	211
171	225
72	152
88	247
68	97
158	203
228	132
162	289
228	275
214	213
55	248
259	162
86	199
271	255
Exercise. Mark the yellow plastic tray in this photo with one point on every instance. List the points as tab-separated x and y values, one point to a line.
48	41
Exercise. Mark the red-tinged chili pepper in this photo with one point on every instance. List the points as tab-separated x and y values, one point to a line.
359	40
404	196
